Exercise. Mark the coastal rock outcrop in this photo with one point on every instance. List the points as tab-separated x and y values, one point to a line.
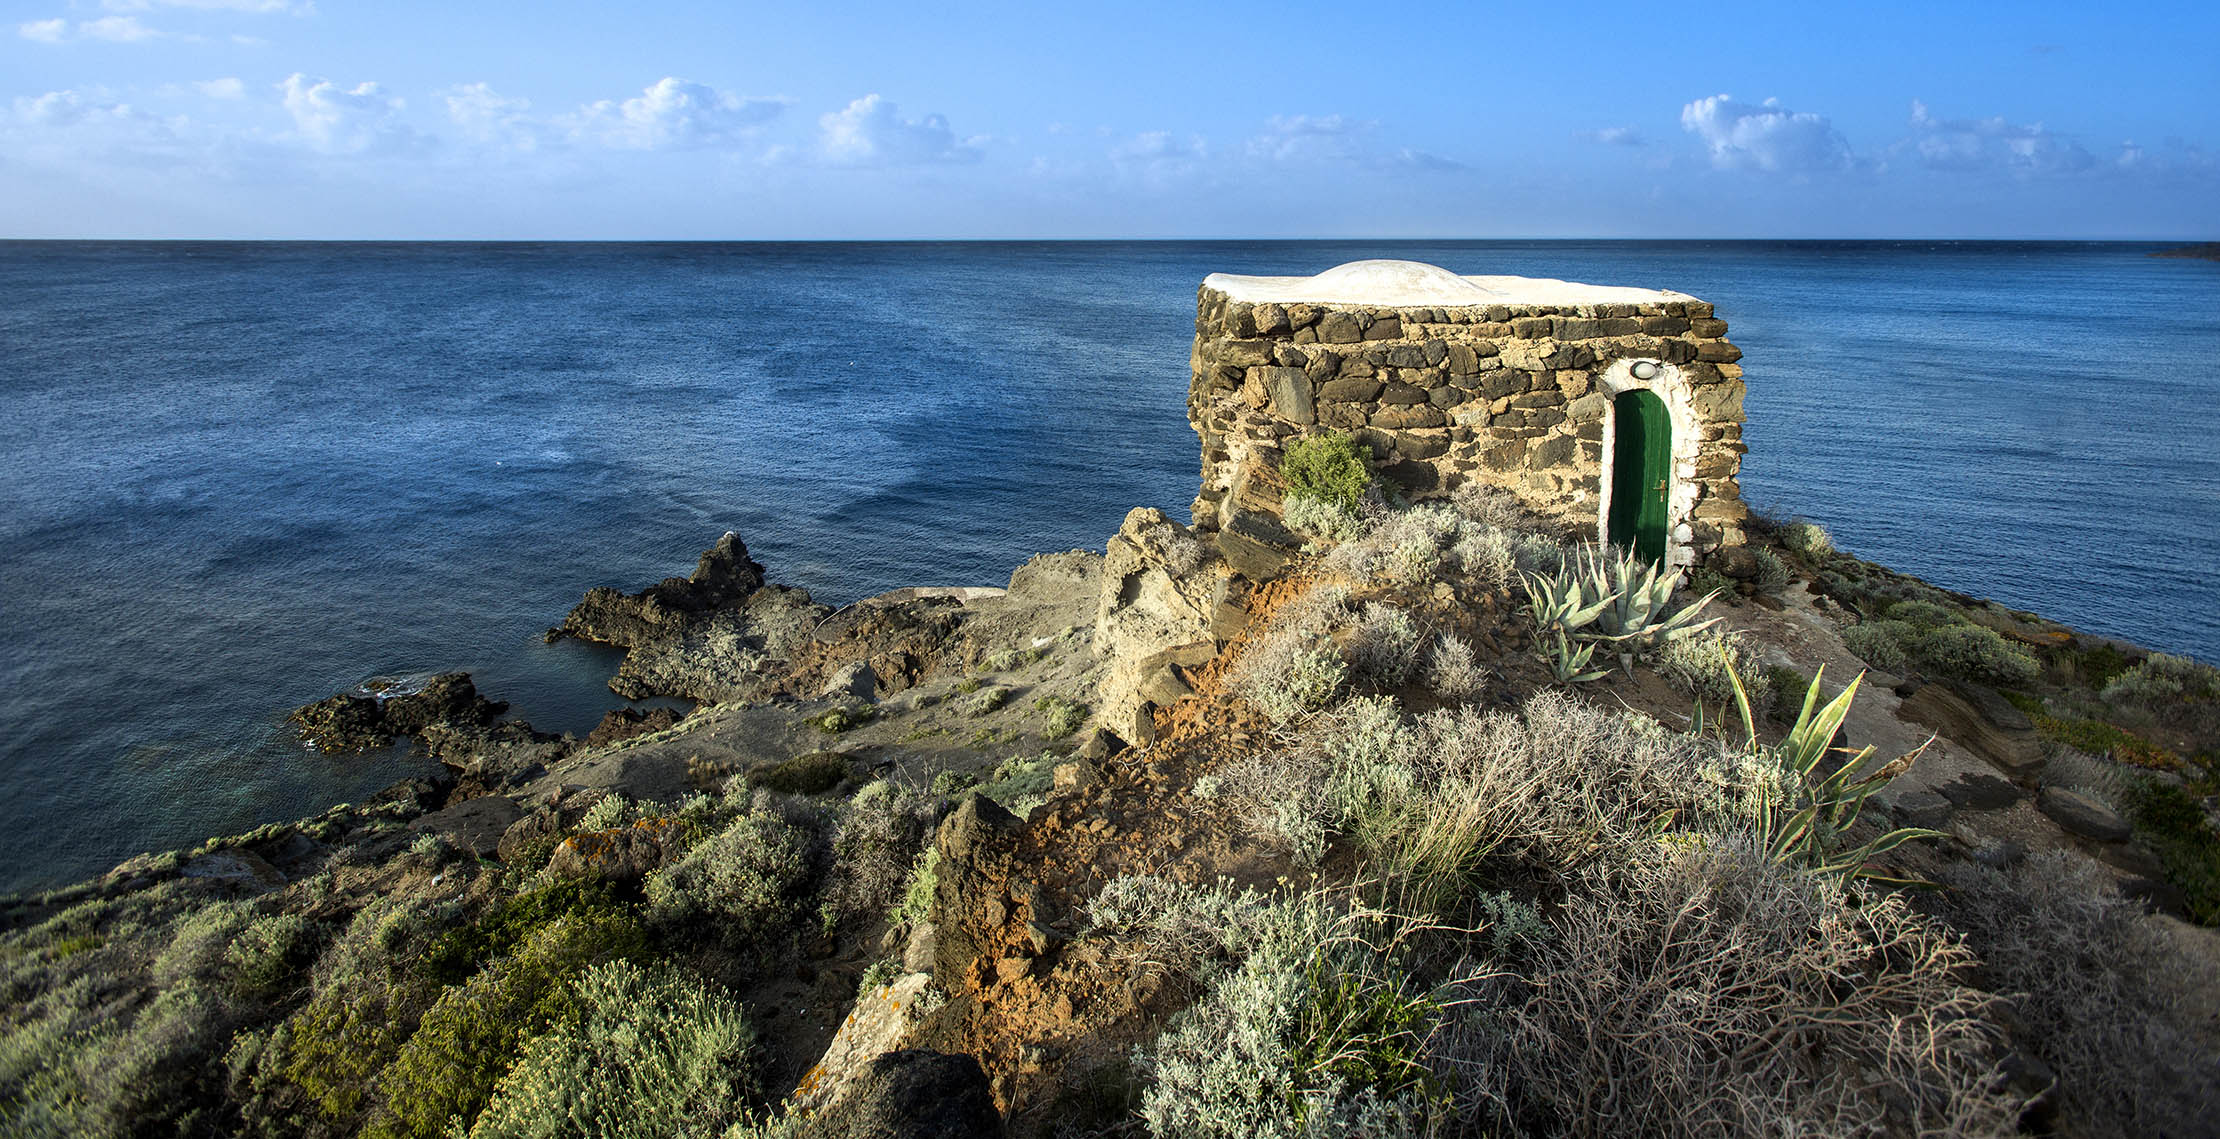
711	636
1160	591
384	711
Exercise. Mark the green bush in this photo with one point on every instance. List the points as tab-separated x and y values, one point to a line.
638	1054
1881	643
609	812
2163	679
1923	614
2173	822
1708	664
987	700
512	921
1772	572
1059	717
1973	652
842	718
1806	538
812	774
473	1033
742	885
1019	783
269	953
917	894
1330	466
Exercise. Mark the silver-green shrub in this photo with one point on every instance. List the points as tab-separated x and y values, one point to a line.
1452	671
2163	678
1807	538
645	1054
739	885
1383	645
1880	643
1975	652
1309	514
1708	664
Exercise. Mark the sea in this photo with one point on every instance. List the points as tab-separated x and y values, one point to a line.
237	477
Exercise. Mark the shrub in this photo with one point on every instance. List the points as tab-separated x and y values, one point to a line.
1174	925
1010	660
873	846
987	700
1330	466
612	810
472	1034
1311	681
1880	643
1319	518
811	774
1383	645
640	1054
2161	679
1685	990
950	782
1318	1031
842	718
1923	615
1707	665
2095	981
1808	538
740	886
1772	572
2175	825
917	892
1020	783
1973	652
1451	670
269	953
511	922
1059	717
1488	556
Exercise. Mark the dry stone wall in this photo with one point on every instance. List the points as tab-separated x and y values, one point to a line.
1519	396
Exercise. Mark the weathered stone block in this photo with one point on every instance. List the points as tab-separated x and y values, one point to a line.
1270	320
1554	451
1418	415
1385	328
1664	325
1574	328
1708	328
1422	445
1446	397
1718	352
1550	398
1336	327
1413	474
1398	392
1532	327
1289	389
1349	391
1356	368
1341	415
1407	356
1322	366
1245	353
1719	401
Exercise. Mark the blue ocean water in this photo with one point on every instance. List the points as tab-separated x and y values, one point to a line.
238	477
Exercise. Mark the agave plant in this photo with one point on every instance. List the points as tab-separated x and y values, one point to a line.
1568	662
1810	829
1637	598
1561	601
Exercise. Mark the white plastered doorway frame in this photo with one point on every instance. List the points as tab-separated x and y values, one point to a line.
1670	385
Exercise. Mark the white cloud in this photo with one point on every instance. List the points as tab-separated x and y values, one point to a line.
340	120
1613	136
44	31
872	132
225	88
1995	144
1157	157
209	5
485	115
116	29
1336	140
1766	137
673	113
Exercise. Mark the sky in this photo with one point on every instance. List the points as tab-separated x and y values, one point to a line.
347	119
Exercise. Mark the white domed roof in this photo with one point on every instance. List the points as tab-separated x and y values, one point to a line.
1395	284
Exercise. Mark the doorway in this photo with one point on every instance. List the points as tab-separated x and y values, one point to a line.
1641	474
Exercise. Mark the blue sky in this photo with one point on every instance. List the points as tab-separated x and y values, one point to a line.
339	119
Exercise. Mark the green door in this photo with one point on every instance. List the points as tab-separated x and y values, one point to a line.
1641	466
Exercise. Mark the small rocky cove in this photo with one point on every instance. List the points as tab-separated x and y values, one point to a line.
1365	805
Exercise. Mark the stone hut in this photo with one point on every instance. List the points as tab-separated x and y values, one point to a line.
1615	411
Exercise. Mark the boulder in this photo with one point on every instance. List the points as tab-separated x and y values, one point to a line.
624	855
2018	754
382	712
911	1094
724	574
2082	815
626	723
1159	585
